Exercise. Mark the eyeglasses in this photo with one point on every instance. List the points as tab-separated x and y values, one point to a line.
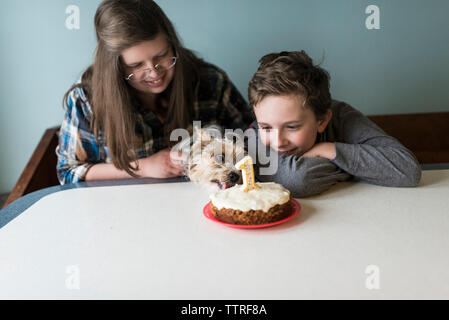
163	66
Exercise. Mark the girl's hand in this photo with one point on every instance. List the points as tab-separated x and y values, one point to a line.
160	165
322	150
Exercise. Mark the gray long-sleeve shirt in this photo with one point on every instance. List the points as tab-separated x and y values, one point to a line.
363	151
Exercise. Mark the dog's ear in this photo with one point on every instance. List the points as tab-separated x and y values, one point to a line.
202	135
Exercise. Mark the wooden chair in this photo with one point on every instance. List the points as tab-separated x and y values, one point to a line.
40	171
426	134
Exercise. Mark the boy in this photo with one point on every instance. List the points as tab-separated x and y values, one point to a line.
320	141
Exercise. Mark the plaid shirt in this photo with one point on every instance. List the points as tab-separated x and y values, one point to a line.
217	102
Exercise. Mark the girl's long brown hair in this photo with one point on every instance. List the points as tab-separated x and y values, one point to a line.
121	24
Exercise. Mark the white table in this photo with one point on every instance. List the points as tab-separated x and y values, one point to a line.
153	242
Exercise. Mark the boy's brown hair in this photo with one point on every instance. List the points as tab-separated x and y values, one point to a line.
291	72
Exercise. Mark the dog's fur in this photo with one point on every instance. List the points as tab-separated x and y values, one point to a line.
212	159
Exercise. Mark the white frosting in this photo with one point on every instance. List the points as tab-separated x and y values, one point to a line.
269	195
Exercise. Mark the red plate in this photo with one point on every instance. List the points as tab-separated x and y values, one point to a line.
295	210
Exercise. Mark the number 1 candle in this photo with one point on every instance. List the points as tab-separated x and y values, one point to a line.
246	165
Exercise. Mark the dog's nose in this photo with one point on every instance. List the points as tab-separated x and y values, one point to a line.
233	177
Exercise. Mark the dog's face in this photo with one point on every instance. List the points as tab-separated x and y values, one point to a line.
212	161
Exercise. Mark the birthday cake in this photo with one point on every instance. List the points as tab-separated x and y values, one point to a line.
268	202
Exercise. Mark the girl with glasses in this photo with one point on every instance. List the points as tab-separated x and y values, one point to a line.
141	86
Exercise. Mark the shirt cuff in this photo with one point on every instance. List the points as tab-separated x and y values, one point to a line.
79	173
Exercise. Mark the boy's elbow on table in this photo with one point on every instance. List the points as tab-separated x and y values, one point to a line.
410	174
302	191
409	177
413	178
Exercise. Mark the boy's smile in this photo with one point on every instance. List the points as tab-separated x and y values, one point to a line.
287	125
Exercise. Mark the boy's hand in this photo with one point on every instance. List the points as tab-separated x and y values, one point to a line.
322	150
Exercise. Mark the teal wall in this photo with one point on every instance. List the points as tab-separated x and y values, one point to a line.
403	67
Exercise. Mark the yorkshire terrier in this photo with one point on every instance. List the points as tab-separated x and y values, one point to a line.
212	158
